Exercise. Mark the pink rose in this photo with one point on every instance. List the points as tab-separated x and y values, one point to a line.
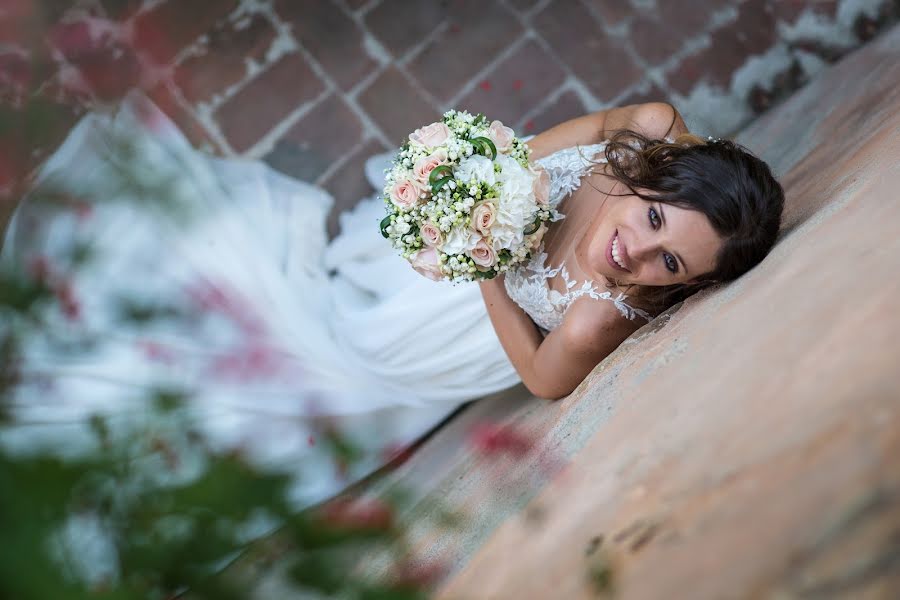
430	135
483	254
483	217
406	193
425	262
541	186
431	235
425	165
501	135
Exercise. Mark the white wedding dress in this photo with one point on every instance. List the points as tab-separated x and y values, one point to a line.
300	328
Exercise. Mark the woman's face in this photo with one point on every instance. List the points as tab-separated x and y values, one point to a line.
651	243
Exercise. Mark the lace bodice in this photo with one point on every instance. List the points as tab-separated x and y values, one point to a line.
528	285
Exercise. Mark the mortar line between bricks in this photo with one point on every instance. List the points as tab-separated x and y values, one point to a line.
367	8
549	100
339	164
266	142
415	50
492	64
587	98
370	129
541	5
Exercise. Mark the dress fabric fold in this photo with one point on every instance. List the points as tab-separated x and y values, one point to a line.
343	331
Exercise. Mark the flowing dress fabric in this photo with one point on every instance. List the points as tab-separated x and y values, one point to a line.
300	330
294	332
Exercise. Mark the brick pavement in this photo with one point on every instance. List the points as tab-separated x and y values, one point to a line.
314	87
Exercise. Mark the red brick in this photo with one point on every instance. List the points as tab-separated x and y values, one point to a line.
654	40
323	136
395	105
651	94
596	58
267	99
516	85
751	33
169	27
120	10
567	106
658	34
753	30
23	147
192	128
478	31
20	24
613	12
334	40
690	22
349	185
523	5
789	10
223	62
704	65
401	24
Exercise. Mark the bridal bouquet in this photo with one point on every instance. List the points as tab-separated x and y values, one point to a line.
463	202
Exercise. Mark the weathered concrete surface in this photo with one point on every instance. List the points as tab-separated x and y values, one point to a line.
749	444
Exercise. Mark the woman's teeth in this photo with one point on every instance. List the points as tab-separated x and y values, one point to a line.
615	252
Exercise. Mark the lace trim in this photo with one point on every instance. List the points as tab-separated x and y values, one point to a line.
562	302
528	284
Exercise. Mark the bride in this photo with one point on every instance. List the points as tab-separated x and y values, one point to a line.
297	331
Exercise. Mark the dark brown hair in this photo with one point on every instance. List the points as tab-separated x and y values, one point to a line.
720	178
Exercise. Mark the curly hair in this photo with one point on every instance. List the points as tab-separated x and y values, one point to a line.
720	178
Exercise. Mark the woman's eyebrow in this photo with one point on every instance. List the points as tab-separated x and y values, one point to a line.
662	215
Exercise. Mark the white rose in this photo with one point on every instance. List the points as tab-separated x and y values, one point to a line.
478	167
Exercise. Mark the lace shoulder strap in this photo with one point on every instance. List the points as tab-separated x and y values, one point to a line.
589	288
566	167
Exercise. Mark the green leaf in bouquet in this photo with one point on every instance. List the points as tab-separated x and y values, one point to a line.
438	173
385	222
486	146
440	183
533	227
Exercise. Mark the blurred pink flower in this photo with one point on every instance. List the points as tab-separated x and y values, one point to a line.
362	513
493	439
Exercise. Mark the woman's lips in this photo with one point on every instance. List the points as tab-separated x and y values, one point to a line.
609	254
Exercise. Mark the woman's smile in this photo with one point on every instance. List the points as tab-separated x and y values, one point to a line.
616	254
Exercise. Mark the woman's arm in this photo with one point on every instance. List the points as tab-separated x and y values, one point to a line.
653	119
552	367
518	334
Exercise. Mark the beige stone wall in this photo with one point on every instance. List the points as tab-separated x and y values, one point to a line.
750	447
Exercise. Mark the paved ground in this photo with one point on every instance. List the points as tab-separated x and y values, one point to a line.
316	86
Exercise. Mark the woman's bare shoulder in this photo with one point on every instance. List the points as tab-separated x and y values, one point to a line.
596	325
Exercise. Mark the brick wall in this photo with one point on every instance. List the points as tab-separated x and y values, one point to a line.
314	87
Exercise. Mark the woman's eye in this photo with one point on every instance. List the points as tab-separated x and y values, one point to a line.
671	263
654	218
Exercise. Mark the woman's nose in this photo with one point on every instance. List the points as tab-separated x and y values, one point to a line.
641	248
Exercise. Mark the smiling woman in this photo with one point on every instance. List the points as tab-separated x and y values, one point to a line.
661	218
715	209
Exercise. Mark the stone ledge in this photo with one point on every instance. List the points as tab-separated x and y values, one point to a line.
742	444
